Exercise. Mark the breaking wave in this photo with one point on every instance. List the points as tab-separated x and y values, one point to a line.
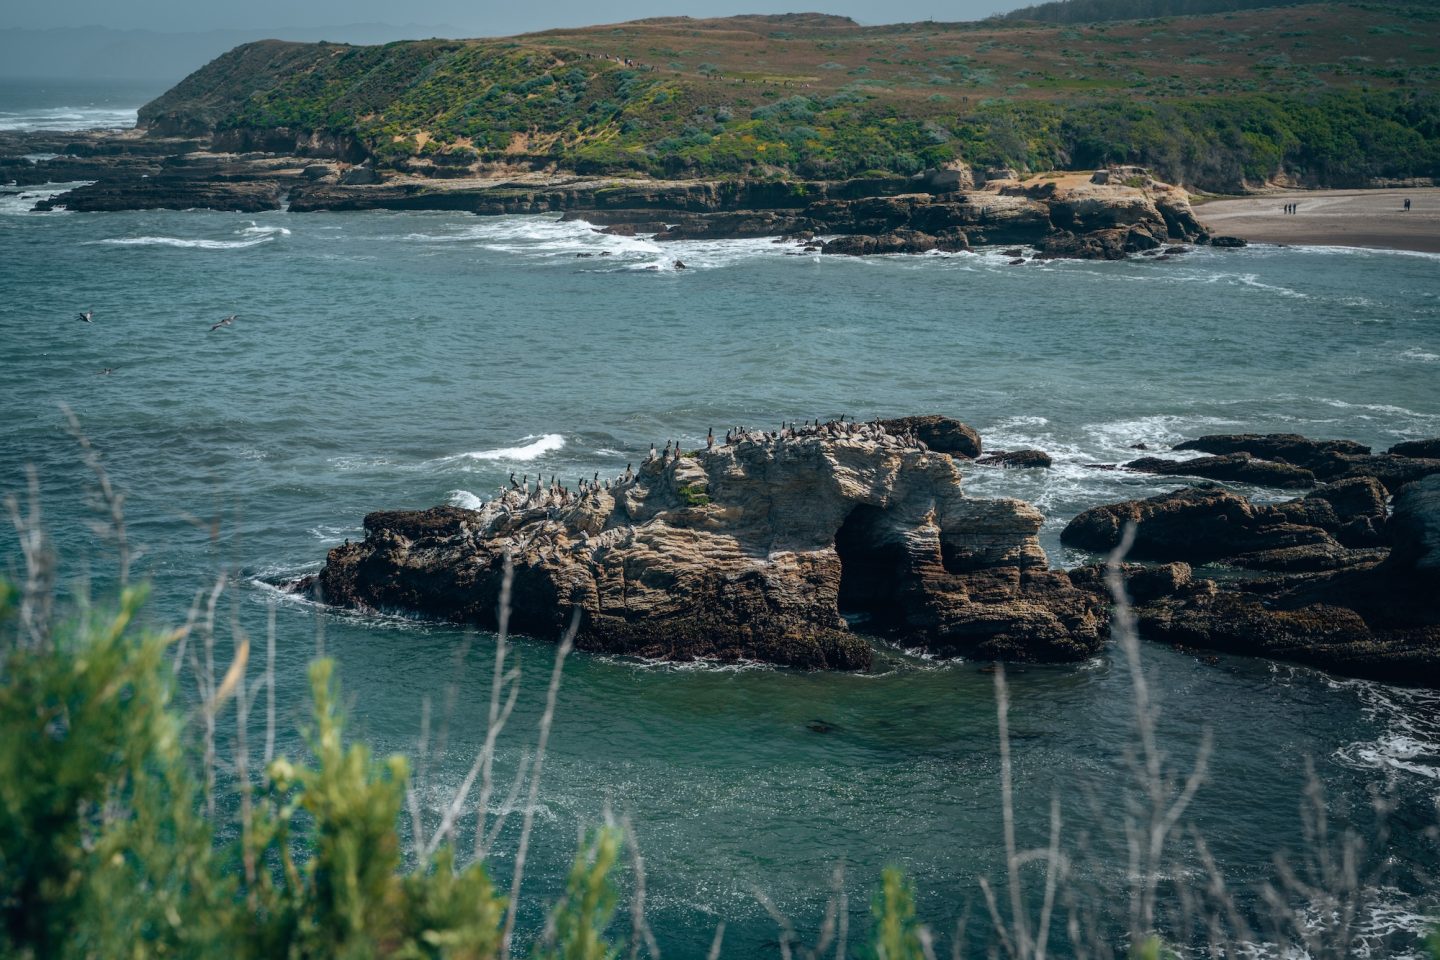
182	243
535	447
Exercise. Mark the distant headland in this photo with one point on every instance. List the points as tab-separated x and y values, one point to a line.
754	123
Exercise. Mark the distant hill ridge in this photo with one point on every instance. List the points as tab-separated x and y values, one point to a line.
1322	93
1096	11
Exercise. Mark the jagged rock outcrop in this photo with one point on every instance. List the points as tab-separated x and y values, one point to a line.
1212	524
940	433
1326	459
1343	599
169	193
898	241
1423	449
754	549
1231	467
1415	529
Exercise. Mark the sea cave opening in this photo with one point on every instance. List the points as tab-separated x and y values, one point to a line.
872	569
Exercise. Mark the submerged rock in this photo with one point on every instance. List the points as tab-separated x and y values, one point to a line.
1017	458
756	549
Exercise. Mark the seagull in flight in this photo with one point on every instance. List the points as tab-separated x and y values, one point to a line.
224	323
88	316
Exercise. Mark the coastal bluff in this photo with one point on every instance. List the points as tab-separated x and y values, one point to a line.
765	547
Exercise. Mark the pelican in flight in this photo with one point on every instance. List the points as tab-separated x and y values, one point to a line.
224	323
88	316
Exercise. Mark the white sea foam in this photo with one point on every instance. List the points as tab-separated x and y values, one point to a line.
1408	740
1253	280
21	201
1362	251
69	118
464	499
183	243
329	533
1420	356
530	448
255	230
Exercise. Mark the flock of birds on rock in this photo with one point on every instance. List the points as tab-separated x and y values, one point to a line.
519	495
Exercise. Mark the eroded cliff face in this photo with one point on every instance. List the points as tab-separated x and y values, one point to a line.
762	549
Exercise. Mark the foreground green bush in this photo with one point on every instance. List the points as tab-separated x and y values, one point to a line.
106	850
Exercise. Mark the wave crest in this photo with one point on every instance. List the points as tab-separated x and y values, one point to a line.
525	451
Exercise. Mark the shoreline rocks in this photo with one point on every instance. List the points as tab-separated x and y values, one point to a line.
1232	467
936	211
1341	586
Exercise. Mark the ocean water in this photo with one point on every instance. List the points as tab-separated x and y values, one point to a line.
63	104
388	360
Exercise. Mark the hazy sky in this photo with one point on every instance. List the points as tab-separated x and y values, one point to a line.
471	17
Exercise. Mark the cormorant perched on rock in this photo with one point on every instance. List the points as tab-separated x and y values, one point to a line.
666	455
629	473
710	439
513	484
652	453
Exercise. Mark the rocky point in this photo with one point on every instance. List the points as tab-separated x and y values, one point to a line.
765	547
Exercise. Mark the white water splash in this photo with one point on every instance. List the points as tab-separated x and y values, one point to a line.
528	449
69	118
184	244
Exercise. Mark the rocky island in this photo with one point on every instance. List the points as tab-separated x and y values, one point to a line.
789	546
755	548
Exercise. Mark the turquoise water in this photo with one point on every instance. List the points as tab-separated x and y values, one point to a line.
387	360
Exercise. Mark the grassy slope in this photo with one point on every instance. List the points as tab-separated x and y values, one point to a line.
1332	92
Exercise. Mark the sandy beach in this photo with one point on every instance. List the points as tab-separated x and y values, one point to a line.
1344	218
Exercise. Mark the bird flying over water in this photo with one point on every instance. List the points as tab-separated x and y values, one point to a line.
88	316
225	322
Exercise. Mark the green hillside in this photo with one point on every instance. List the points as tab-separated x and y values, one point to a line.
1330	94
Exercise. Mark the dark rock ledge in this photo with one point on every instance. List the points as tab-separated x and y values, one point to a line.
1089	219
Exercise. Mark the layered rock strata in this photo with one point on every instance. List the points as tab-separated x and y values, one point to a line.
761	548
1341	585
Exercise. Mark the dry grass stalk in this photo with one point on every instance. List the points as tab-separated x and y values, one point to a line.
37	596
562	650
111	501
